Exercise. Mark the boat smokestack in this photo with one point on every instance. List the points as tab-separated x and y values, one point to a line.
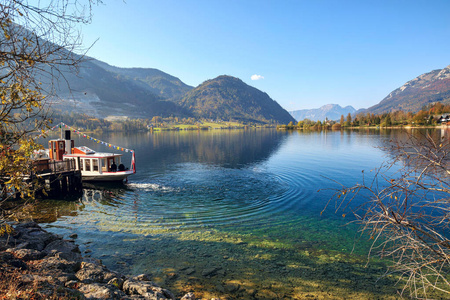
67	135
68	143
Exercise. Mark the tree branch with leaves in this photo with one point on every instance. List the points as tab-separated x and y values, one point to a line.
37	40
407	213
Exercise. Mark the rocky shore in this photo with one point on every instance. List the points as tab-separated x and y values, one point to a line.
36	264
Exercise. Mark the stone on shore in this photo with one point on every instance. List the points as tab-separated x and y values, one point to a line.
33	258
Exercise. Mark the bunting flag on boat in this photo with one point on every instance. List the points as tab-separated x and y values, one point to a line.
62	125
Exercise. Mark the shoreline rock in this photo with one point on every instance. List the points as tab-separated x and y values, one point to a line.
43	265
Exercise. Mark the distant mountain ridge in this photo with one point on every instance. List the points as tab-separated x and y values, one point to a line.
99	91
329	111
153	80
228	97
103	90
425	89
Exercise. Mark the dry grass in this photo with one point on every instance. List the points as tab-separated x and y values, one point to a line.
13	287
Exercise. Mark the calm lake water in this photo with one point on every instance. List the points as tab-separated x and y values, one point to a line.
233	214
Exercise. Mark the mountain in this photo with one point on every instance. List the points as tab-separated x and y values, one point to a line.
153	80
100	90
96	89
412	96
227	97
330	111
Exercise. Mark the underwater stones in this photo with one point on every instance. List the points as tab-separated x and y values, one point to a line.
232	287
251	292
210	271
240	242
57	265
189	271
172	276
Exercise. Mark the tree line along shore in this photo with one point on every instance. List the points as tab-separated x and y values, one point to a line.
432	115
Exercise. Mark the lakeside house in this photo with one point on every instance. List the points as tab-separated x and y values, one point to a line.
444	119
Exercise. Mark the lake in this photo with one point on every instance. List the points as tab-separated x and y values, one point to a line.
233	213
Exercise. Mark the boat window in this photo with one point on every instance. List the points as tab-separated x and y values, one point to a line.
88	164
82	164
104	165
95	165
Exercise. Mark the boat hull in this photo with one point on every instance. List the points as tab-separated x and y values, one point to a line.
108	176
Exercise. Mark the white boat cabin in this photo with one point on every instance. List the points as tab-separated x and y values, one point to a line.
98	162
94	166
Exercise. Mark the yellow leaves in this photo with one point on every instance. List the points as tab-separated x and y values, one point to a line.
5	228
19	159
6	34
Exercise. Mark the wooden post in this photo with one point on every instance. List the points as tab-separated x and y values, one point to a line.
64	189
55	187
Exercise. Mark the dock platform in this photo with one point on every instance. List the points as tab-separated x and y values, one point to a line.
56	178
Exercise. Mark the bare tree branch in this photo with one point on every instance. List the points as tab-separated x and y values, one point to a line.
408	217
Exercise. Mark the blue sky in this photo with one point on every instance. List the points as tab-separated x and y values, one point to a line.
309	53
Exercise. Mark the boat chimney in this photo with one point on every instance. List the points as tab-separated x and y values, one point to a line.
69	143
67	135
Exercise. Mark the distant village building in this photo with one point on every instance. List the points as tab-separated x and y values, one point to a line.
444	119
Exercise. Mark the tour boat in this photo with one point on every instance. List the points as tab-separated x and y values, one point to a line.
94	166
100	166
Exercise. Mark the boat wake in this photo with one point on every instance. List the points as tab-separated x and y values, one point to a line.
149	187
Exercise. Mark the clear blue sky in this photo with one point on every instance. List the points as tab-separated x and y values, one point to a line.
310	53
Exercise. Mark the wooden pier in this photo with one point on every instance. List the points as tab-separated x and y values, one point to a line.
55	179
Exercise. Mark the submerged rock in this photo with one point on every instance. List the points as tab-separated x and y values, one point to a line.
210	271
